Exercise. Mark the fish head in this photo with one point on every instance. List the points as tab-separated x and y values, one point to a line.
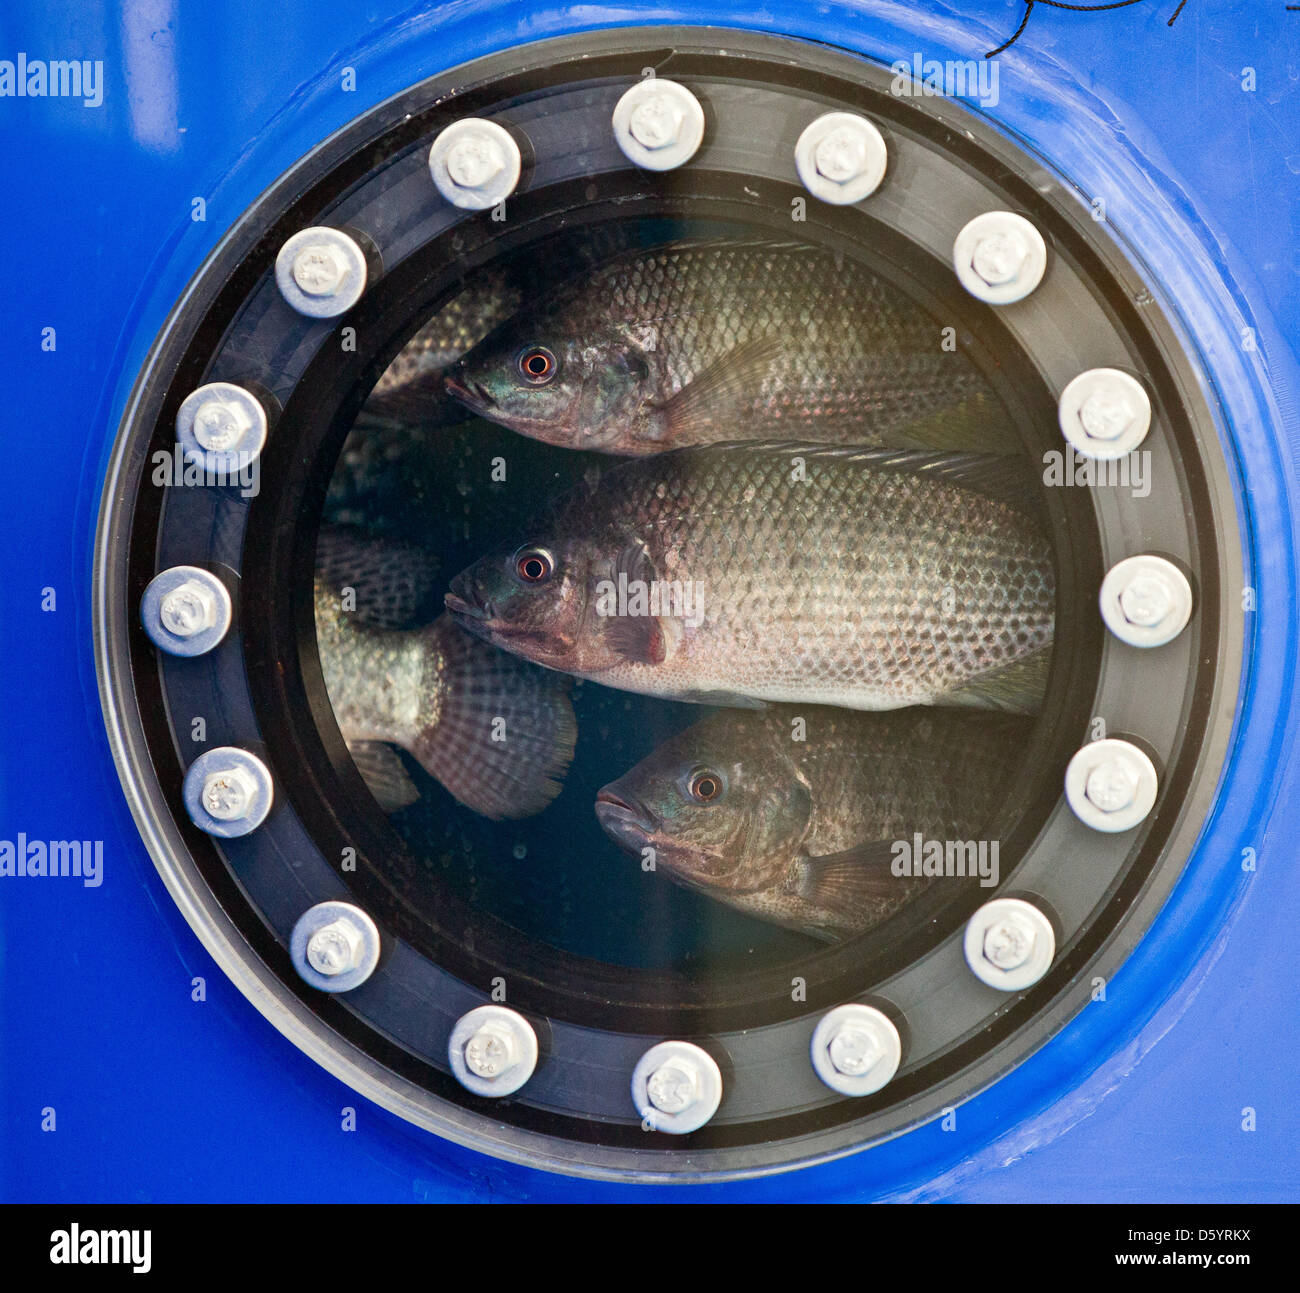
588	386
531	599
722	805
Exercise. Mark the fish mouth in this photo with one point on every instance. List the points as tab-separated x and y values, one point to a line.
627	822
464	610
470	393
476	620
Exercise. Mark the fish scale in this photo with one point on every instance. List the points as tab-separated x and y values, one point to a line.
887	604
708	296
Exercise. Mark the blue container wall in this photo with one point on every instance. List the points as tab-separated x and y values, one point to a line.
158	1096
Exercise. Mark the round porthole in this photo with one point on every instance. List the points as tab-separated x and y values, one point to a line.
839	377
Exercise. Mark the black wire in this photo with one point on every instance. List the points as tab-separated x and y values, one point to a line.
1024	22
1074	8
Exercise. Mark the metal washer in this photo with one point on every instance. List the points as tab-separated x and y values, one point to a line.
1004	224
1125	755
1022	976
510	1024
1118	386
223	466
873	164
351	266
882	1033
1169	583
668	97
168	581
495	151
223	758
708	1095
316	918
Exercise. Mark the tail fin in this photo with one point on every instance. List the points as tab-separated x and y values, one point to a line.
505	732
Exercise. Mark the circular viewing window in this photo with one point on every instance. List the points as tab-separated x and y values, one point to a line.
702	582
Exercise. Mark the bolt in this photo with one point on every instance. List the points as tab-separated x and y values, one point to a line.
317	270
1009	944
842	155
335	948
1106	414
228	791
1009	941
474	161
853	1051
219	425
841	158
656	122
321	272
1111	785
491	1051
187	610
673	1087
676	1087
999	257
1146	600
228	794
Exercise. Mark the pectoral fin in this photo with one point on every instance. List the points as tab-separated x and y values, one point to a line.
856	880
722	391
1017	689
639	639
631	630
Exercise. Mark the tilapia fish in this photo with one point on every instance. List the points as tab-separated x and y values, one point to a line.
496	732
733	575
699	343
814	834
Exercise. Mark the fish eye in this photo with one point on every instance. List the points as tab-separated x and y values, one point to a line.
705	785
537	365
534	565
